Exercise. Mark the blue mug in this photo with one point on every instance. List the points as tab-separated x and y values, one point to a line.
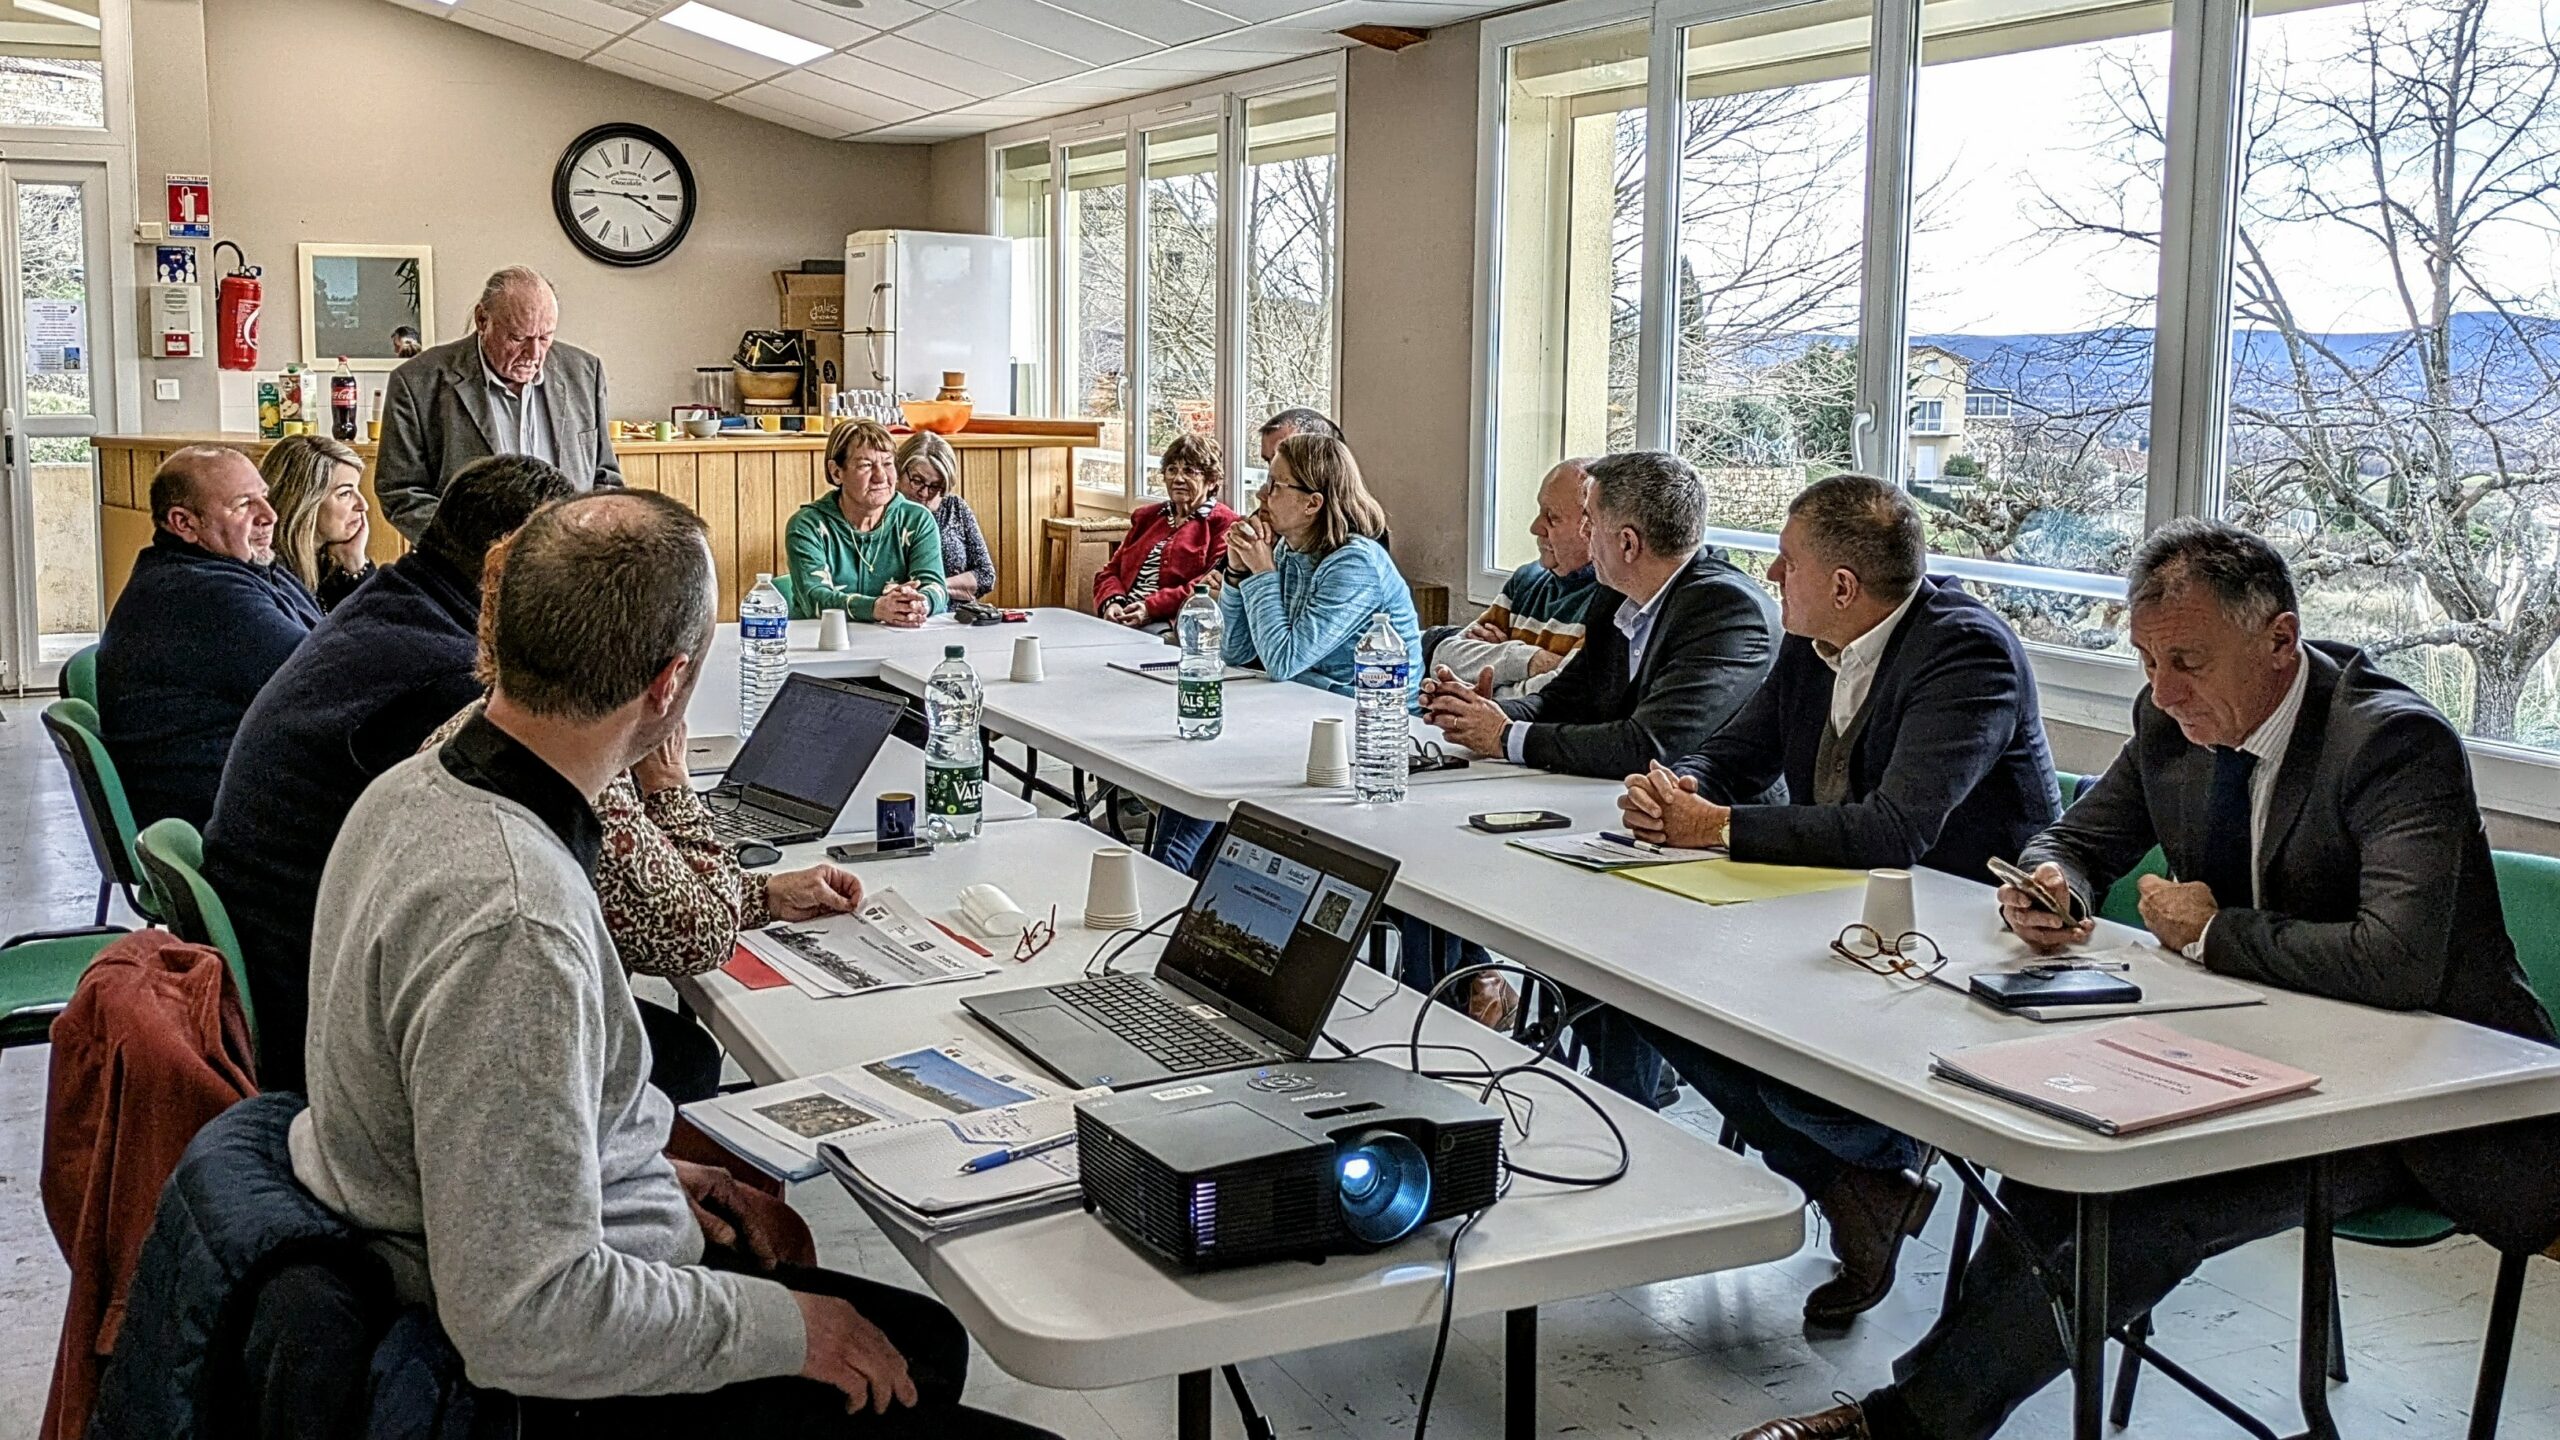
896	818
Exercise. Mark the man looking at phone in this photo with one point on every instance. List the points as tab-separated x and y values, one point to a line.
1902	718
2320	821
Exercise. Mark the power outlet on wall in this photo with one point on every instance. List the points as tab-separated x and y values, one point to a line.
164	389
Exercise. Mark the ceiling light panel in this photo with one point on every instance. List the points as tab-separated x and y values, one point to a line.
751	36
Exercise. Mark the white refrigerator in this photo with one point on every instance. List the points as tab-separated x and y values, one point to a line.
918	303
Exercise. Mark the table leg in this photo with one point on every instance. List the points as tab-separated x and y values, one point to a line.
2089	1319
2319	1298
1191	1405
1520	1374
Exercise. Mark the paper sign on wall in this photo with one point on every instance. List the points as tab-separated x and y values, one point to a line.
190	207
56	330
177	264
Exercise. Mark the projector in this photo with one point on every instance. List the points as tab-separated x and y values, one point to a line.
1295	1160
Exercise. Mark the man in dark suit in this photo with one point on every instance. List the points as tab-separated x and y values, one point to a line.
2321	819
1902	718
504	389
1674	641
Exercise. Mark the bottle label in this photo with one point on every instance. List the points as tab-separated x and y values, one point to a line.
763	627
1201	699
1381	677
342	392
953	789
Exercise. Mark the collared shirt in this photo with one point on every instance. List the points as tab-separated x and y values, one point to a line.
2268	742
485	757
1633	621
1854	665
524	418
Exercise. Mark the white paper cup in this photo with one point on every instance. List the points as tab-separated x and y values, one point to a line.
1111	889
1888	911
833	632
1026	658
1329	751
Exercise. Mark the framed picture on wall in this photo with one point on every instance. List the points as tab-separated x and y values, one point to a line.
374	304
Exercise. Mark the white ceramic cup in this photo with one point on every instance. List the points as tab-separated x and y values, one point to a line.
1888	911
833	632
1026	658
1329	751
1111	889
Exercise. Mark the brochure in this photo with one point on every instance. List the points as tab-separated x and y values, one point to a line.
779	1128
886	944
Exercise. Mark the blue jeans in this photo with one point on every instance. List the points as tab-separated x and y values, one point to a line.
1178	839
1623	1056
1427	955
1808	1140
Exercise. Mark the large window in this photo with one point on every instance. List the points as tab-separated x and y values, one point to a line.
2063	269
1194	266
53	71
1025	194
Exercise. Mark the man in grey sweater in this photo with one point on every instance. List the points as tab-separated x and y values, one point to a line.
478	1075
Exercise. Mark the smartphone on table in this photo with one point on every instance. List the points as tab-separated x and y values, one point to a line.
1513	822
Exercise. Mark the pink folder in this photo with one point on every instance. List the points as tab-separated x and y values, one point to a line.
2122	1077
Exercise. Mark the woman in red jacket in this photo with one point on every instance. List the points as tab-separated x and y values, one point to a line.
1171	544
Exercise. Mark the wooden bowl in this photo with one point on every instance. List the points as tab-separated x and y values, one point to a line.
942	417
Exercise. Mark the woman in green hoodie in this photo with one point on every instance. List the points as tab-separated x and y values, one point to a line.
866	550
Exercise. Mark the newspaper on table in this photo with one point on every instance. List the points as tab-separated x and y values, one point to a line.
885	945
779	1128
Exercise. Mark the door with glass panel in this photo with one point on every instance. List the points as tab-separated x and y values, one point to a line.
54	387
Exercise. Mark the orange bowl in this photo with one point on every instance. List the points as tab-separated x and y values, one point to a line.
942	417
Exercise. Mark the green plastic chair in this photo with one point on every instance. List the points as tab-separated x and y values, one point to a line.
74	728
38	973
790	595
173	853
80	676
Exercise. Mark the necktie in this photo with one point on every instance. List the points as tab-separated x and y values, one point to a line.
2227	865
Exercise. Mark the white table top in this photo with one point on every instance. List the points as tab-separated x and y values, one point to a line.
1758	983
1121	727
714	710
1057	1300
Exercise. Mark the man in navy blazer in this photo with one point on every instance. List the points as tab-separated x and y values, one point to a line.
1902	718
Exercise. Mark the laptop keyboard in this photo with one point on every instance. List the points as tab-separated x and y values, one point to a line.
737	824
1136	1011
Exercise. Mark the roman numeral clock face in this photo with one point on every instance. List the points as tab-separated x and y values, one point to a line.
624	194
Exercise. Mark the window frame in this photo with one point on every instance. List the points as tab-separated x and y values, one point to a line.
2190	362
1230	100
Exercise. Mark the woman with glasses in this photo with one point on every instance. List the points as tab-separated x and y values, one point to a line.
929	474
1171	545
316	486
866	549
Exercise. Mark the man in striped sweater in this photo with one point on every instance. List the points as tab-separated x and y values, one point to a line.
1526	634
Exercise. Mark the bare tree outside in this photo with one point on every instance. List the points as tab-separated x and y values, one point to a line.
1289	283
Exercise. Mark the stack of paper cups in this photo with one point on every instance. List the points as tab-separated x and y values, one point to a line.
1111	891
1329	754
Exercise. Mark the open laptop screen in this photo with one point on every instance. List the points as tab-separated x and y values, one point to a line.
1274	923
815	741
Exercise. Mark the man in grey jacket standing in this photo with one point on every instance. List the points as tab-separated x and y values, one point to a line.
479	1078
504	389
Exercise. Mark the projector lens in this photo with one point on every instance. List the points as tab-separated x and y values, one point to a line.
1386	1186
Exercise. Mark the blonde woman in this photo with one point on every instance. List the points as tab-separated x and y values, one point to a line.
316	485
865	549
929	474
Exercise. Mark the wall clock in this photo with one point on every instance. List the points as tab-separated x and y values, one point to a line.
624	194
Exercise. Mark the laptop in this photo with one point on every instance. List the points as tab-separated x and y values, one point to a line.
1248	978
793	775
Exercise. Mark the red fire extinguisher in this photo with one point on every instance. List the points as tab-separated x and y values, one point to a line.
236	312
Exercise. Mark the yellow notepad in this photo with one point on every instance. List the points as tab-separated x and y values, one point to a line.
1734	882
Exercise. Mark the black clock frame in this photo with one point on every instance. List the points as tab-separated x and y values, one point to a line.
566	213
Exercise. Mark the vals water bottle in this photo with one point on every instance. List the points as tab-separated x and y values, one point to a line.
955	764
1382	738
1200	712
764	642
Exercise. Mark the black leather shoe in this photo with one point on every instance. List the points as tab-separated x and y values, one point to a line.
1871	1213
1840	1422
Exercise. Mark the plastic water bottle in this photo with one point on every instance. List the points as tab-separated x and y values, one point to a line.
955	764
1382	739
1200	712
764	643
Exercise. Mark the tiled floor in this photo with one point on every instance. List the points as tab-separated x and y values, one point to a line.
1703	1357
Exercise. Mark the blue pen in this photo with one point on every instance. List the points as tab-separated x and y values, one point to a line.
1011	1153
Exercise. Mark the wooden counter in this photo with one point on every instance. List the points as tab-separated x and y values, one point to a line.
745	489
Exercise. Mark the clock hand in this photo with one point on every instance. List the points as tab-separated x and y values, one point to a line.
652	209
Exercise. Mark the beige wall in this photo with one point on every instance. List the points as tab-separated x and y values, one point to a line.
172	136
1408	282
959	202
352	120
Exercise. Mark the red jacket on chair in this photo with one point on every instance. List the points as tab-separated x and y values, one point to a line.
1188	555
152	1047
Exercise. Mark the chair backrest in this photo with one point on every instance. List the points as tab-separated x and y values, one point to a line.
790	593
2124	902
80	675
74	726
2529	892
173	853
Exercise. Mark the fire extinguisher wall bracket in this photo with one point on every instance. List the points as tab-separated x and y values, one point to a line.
236	308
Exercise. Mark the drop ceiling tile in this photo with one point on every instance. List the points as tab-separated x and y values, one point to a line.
955	36
826	129
880	14
488	25
1169	22
954	72
746	64
1173	62
1006	111
1344	13
874	78
1275	40
1257	11
1074	94
590	13
828	25
1054	29
638	61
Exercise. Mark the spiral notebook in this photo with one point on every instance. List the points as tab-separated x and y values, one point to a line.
914	1168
